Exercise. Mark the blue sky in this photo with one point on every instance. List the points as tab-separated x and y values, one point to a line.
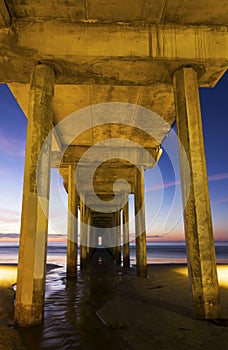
160	225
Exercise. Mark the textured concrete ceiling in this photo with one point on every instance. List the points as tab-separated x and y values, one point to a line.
103	11
111	51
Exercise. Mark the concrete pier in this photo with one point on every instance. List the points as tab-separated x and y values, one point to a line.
140	225
197	212
34	218
72	237
110	54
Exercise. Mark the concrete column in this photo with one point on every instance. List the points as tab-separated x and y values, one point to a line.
72	237
115	234
197	213
34	217
118	228
88	222
83	233
140	225
126	245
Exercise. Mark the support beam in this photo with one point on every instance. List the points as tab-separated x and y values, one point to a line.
100	51
140	226
83	233
72	237
4	15
137	155
126	244
34	222
197	213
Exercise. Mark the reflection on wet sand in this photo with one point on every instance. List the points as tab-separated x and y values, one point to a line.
70	309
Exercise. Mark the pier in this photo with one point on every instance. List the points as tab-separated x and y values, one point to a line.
101	86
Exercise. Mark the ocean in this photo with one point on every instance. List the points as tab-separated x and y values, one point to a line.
157	252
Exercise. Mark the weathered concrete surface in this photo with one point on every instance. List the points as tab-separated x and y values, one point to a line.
197	213
4	15
70	98
115	43
140	225
111	54
33	237
72	236
126	154
152	11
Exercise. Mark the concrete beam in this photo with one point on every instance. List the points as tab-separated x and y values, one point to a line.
136	155
107	206
5	18
119	11
116	54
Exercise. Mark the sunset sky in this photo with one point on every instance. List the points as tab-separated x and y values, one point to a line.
159	194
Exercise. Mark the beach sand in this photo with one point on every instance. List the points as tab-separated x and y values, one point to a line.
152	313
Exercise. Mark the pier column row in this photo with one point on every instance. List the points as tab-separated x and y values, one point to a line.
72	229
34	219
197	213
140	225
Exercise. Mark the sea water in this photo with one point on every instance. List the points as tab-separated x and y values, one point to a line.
157	252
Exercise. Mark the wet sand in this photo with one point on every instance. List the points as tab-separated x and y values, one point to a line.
156	313
10	338
141	314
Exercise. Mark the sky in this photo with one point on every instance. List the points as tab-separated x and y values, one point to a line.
162	189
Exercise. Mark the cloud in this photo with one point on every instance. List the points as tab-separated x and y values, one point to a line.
218	177
211	178
154	236
164	185
9	235
8	212
8	216
220	201
12	146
